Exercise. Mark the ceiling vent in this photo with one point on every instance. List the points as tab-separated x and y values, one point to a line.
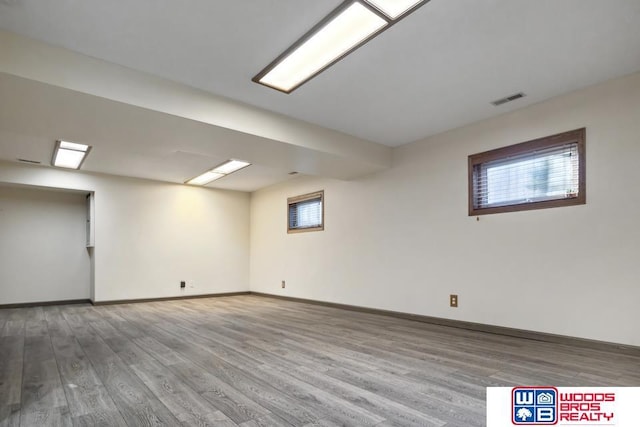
33	162
508	99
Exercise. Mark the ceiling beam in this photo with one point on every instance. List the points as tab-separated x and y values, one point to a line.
34	60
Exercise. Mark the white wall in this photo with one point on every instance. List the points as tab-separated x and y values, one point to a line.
151	235
401	239
42	246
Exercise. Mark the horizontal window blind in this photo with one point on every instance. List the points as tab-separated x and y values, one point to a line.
306	212
546	174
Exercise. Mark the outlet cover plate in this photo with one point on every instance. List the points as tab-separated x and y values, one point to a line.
453	300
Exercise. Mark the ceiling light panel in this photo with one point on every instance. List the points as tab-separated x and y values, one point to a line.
342	33
68	159
220	171
205	178
69	155
394	8
74	146
231	166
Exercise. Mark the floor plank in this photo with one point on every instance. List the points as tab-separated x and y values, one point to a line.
43	399
85	392
136	403
11	362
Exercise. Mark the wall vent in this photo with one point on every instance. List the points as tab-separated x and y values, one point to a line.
508	98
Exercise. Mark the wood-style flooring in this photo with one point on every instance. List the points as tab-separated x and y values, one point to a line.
252	361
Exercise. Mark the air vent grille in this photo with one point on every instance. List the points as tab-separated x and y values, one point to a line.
508	98
33	162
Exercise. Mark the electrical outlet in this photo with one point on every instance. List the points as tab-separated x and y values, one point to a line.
183	284
453	300
283	284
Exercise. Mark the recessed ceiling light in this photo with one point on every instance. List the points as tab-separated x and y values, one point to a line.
345	29
73	146
220	171
394	8
205	178
231	166
335	37
69	154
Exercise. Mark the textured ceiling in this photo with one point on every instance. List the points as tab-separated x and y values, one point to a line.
436	70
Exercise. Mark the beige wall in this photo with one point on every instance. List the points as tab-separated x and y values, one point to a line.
151	235
43	255
401	239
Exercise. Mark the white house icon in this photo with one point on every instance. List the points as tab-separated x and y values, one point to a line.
545	399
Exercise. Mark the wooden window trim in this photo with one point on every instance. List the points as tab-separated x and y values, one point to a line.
578	136
302	198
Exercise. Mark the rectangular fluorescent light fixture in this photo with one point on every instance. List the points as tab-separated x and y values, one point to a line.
231	166
333	38
69	155
220	171
205	178
348	27
394	8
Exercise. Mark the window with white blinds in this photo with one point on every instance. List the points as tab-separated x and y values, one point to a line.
306	212
546	172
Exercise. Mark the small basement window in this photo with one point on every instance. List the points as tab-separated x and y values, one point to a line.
306	212
544	173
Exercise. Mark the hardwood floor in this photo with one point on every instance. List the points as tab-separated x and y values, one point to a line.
252	361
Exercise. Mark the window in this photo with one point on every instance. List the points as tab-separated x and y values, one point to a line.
543	173
306	212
